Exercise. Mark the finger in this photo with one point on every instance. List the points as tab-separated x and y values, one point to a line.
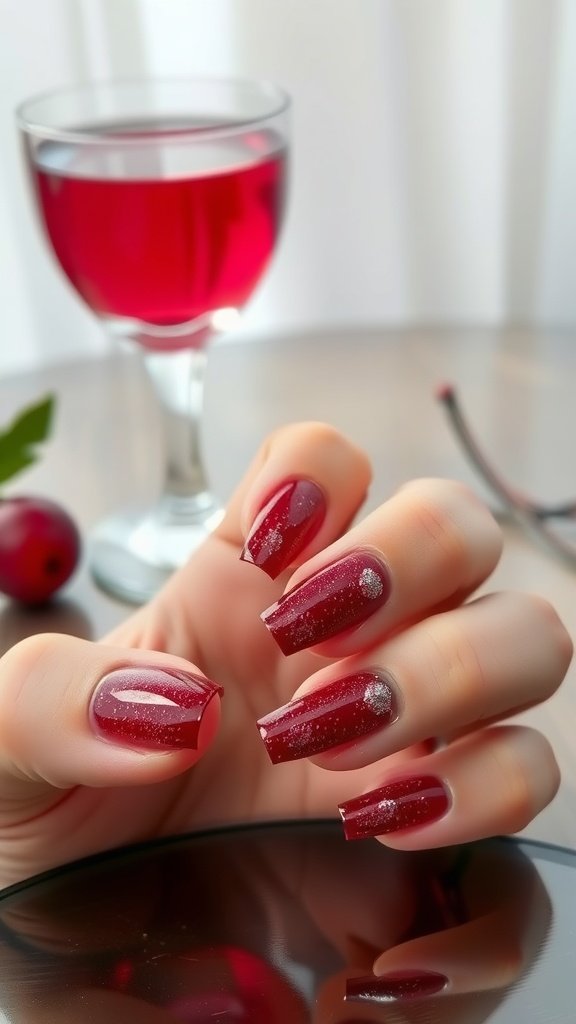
433	541
334	1006
490	783
473	664
484	954
302	490
75	713
509	916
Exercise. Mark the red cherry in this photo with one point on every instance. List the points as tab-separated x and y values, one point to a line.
39	548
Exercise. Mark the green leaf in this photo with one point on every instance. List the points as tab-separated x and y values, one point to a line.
12	464
32	426
17	442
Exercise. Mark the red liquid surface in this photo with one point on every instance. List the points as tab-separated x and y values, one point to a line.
162	250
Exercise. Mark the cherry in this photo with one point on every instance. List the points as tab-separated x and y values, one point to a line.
39	548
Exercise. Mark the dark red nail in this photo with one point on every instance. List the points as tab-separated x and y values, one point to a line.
286	524
327	717
151	707
339	596
397	986
406	803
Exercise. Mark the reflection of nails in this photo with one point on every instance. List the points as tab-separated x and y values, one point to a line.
329	716
397	986
151	707
406	803
286	524
341	595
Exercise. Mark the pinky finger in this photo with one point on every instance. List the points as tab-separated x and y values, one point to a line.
491	783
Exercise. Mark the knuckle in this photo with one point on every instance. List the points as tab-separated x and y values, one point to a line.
556	630
311	432
528	772
25	656
556	648
456	669
460	527
338	452
439	528
21	664
518	804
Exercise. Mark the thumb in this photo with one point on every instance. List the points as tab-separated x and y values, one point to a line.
75	713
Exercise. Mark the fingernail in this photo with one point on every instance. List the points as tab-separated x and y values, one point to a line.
406	803
397	986
337	713
286	524
151	707
341	595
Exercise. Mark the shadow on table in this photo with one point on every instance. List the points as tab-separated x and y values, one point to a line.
60	616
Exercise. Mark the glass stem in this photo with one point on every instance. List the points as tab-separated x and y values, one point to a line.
178	381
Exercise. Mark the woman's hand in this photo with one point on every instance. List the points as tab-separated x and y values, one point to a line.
382	651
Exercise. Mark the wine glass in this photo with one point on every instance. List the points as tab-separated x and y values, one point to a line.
162	201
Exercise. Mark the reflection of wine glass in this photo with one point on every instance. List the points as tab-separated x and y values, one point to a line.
162	201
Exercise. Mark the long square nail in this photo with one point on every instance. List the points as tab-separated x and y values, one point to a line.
339	712
286	524
405	803
341	595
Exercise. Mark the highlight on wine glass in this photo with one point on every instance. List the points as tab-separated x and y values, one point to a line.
162	201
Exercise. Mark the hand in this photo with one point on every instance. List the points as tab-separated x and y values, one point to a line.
105	744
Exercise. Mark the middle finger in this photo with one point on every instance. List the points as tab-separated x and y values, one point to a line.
467	666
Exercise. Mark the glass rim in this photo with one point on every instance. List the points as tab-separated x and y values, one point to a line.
184	135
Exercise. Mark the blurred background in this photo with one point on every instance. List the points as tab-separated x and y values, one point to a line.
434	155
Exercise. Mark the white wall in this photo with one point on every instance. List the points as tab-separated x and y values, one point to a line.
434	153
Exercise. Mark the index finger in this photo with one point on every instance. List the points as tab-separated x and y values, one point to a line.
302	490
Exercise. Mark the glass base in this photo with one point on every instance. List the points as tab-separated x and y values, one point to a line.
132	554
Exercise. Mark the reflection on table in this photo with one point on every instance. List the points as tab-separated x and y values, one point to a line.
282	925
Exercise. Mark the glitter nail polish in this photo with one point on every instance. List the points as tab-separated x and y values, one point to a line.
341	595
151	707
403	804
286	524
396	986
338	712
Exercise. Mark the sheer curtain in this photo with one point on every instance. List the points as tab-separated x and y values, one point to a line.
434	154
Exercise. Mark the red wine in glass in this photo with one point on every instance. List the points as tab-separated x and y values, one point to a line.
160	236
